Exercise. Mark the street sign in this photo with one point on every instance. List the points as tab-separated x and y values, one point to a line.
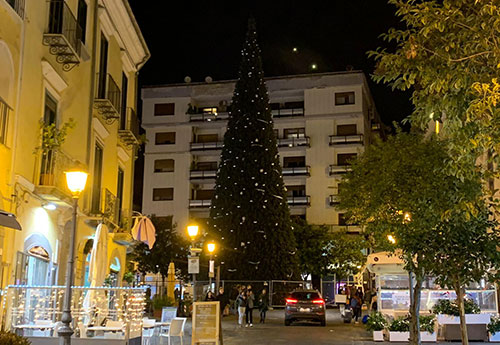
211	271
193	264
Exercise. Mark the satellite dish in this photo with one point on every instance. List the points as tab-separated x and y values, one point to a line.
208	79
187	79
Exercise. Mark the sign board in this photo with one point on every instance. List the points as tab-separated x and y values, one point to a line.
340	298
211	271
193	264
168	314
206	328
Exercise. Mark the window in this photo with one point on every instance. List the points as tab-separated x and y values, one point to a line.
82	18
103	68
346	130
293	162
204	194
209	110
206	166
119	192
4	121
123	115
343	98
294	105
342	219
96	185
164	165
345	158
276	133
164	109
50	111
165	138
207	138
294	133
295	191
161	194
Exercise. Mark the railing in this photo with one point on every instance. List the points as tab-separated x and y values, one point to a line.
208	117
199	203
299	200
288	112
18	6
339	169
297	171
108	92
333	199
349	228
215	145
62	22
293	142
129	127
53	165
110	206
346	139
202	174
4	120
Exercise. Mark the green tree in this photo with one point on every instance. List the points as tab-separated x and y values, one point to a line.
249	214
401	188
448	54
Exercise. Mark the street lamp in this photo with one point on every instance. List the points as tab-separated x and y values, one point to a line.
76	181
194	260
211	264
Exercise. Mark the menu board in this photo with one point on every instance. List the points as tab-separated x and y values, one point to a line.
206	324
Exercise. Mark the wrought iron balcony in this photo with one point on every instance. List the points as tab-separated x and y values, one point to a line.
63	35
294	142
51	184
297	171
199	203
108	98
202	174
208	117
110	207
129	128
338	170
18	6
214	145
334	200
346	139
285	112
299	200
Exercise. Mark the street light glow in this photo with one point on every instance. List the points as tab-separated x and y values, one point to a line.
76	181
193	231
211	247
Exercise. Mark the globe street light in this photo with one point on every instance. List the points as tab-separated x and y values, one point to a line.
76	181
211	265
193	266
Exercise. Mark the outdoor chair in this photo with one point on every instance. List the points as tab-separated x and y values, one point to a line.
83	330
176	329
43	332
148	329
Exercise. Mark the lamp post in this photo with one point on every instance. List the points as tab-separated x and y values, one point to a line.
211	265
76	184
193	266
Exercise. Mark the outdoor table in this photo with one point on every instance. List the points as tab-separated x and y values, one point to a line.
106	329
41	327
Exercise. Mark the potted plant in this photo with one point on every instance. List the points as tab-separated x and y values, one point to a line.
399	329
376	323
129	277
494	329
7	338
427	328
159	302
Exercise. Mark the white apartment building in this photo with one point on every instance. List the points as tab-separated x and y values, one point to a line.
321	122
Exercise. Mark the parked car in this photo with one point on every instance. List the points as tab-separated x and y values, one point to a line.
305	305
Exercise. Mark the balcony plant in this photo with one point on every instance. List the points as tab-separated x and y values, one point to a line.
7	338
494	329
376	323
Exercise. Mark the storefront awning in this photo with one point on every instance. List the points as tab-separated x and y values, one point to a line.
9	220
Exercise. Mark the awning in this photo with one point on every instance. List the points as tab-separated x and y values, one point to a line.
9	220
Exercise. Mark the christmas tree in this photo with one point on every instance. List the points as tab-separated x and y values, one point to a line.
249	214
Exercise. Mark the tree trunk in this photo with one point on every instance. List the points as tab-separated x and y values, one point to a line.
415	281
463	326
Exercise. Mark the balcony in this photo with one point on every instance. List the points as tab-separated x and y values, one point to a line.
294	142
51	184
110	207
346	139
108	98
18	6
287	112
338	170
297	171
215	145
208	117
129	128
299	200
333	200
351	229
202	174
199	204
63	34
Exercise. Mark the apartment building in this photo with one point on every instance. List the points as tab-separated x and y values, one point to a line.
64	61
321	121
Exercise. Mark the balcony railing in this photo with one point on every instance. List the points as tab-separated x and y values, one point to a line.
346	139
299	200
129	128
63	35
18	6
208	117
334	200
288	112
108	98
335	170
199	203
214	145
297	171
293	142
202	174
110	206
4	120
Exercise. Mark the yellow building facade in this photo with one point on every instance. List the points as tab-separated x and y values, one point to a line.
66	66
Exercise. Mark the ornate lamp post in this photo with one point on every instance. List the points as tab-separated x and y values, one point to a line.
76	184
211	265
194	260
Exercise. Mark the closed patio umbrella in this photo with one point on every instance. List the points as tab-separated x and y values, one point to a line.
144	231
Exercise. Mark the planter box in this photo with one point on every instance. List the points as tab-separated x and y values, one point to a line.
379	335
428	337
400	337
494	337
470	319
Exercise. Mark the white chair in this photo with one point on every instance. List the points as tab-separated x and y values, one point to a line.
43	332
148	329
114	334
83	330
176	329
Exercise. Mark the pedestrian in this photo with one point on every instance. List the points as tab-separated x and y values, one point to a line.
356	306
263	305
241	303
210	296
374	304
249	308
221	297
360	294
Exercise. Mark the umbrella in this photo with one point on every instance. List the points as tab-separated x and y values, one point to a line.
144	231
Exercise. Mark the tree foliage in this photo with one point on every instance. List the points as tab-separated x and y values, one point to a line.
448	54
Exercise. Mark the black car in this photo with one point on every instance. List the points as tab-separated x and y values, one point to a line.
305	305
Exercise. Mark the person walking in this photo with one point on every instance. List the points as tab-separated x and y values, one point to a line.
356	306
263	305
241	303
249	308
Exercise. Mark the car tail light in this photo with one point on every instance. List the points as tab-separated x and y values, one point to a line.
291	301
319	301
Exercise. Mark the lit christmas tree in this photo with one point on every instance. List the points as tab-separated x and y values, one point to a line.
249	214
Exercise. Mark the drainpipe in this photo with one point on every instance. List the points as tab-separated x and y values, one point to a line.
92	80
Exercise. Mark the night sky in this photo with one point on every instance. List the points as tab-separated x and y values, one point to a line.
199	39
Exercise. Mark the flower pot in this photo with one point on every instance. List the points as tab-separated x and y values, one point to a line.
494	337
428	337
379	335
400	337
470	319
